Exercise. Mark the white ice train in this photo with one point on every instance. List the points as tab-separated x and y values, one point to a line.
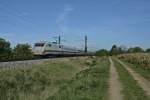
44	48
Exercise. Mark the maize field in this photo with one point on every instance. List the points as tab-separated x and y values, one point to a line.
141	59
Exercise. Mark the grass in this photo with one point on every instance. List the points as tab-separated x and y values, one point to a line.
139	69
131	89
90	84
38	81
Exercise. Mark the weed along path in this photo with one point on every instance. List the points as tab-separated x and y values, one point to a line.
143	83
115	86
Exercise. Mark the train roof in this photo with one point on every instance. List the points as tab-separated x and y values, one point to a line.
47	42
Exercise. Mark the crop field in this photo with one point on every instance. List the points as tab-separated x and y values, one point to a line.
142	59
76	78
140	62
131	89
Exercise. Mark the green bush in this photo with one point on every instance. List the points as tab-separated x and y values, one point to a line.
102	52
135	50
22	52
148	50
5	50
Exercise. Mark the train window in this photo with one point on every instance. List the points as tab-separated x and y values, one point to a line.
39	44
49	45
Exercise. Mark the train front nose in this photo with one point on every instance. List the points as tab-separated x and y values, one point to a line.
38	49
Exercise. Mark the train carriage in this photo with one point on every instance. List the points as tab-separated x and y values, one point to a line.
44	48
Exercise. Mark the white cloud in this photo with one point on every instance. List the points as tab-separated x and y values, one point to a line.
63	18
23	14
6	35
68	8
63	15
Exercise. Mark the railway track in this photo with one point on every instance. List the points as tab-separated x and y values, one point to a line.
23	63
29	62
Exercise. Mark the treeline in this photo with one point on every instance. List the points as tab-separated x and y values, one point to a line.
115	50
19	52
24	51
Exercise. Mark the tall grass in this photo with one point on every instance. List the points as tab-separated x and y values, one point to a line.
37	82
90	84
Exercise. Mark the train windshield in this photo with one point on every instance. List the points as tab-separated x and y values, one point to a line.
39	44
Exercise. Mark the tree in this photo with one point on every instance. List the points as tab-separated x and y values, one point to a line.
22	52
123	49
102	52
114	50
5	50
148	50
135	50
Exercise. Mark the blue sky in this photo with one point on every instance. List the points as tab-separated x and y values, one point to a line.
105	22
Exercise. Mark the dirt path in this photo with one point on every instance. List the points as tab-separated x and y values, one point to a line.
143	83
115	87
